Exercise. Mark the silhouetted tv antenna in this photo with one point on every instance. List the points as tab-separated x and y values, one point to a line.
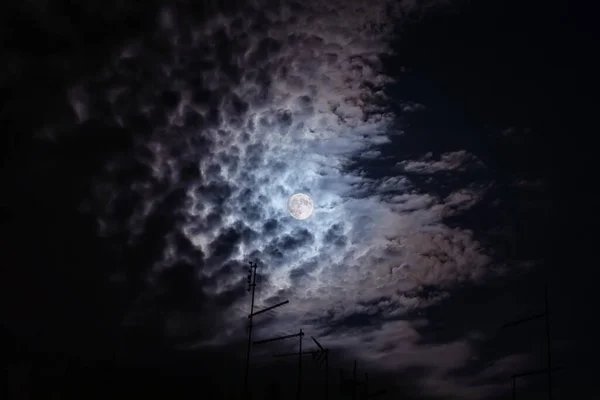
548	370
299	335
366	395
319	356
527	373
351	385
322	357
251	281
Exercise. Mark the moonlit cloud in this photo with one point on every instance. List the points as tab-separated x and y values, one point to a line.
453	161
230	117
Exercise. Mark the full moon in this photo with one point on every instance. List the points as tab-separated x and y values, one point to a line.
300	206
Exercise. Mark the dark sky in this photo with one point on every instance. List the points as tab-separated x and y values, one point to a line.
148	154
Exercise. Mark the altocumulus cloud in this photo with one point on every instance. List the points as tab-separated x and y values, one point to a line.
227	119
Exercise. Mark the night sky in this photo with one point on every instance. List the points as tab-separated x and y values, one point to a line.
149	153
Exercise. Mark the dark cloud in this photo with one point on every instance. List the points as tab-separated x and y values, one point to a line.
170	99
248	234
274	252
276	165
266	48
335	235
215	192
302	271
304	102
270	226
224	245
190	172
214	219
296	274
213	117
295	240
252	211
181	288
201	96
193	119
225	48
236	106
254	155
246	195
153	239
294	82
284	121
370	315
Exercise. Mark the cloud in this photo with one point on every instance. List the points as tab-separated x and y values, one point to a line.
297	114
221	121
452	161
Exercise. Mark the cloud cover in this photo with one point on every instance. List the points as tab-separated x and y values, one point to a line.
229	117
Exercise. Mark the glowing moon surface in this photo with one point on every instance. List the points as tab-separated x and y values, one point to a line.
300	206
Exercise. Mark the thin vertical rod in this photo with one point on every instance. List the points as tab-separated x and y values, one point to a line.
327	374
548	342
253	285
514	388
299	394
354	382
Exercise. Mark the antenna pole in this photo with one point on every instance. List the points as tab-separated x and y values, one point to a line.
299	394
514	387
320	356
354	382
546	316
327	374
251	281
251	287
529	373
548	343
364	393
300	353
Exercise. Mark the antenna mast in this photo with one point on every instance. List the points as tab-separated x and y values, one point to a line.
251	281
548	370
